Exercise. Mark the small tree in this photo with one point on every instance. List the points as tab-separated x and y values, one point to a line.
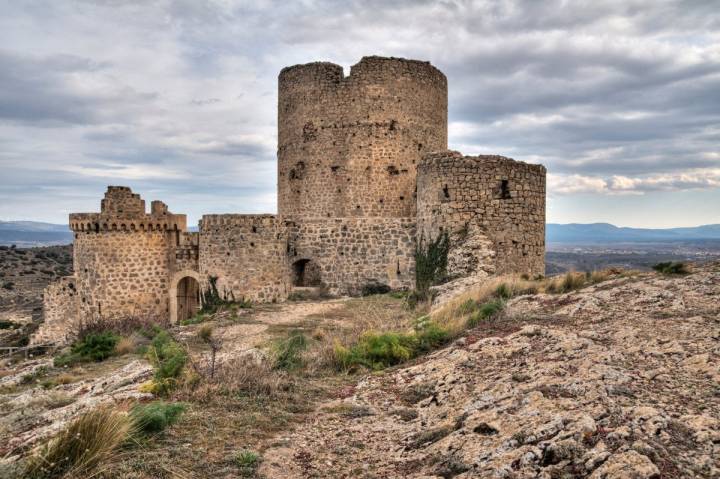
431	262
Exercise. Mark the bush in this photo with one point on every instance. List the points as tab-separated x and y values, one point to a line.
89	441
670	268
380	350
432	336
288	352
155	417
374	288
169	358
9	285
485	311
431	263
94	347
248	461
503	291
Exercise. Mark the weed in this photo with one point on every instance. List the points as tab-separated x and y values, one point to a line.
155	417
248	461
485	311
169	358
288	352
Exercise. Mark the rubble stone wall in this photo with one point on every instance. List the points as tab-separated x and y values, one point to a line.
348	146
123	273
248	255
61	307
493	196
353	252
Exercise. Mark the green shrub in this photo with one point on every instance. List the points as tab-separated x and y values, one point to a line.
485	311
503	291
248	461
374	288
288	352
93	347
155	417
671	268
197	319
169	358
431	263
432	336
380	350
377	351
9	285
468	307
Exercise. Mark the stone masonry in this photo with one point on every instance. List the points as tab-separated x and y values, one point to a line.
364	177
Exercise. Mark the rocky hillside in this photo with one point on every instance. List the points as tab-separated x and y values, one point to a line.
24	273
618	380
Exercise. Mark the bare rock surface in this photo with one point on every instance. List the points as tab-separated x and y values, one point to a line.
618	380
35	414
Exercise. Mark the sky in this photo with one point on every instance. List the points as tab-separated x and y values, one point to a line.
620	100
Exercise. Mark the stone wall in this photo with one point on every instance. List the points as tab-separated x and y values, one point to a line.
486	196
60	311
352	252
348	145
123	273
248	255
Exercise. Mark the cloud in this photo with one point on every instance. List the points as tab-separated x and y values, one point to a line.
615	97
559	184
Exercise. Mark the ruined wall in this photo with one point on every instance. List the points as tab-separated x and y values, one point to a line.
248	255
60	310
348	146
490	196
352	252
123	257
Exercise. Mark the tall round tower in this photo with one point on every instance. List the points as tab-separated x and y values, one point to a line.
349	146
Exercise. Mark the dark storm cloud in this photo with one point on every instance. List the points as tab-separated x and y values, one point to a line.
179	97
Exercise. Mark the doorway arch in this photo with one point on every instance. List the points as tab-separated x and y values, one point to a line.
306	273
184	295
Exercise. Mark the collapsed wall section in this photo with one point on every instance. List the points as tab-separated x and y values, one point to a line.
61	304
479	198
348	146
247	254
345	254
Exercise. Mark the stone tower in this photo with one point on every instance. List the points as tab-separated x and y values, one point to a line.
123	256
348	146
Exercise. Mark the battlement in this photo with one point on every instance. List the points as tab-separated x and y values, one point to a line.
123	210
368	68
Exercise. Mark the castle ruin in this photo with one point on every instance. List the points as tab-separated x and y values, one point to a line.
364	176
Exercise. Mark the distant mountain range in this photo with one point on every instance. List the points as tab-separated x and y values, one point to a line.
32	233
605	233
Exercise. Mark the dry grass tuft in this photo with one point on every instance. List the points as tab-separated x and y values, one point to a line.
125	345
89	442
244	376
